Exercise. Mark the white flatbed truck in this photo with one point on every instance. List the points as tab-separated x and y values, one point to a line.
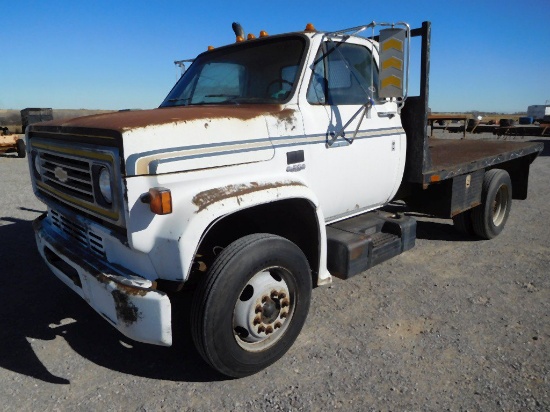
262	174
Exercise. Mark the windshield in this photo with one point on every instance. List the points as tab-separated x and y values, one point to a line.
257	71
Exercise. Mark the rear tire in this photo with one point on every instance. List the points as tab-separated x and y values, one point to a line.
490	217
252	304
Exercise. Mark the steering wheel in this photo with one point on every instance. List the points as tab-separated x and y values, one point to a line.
280	92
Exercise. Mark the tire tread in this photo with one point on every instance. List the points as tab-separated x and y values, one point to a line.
479	214
210	286
205	289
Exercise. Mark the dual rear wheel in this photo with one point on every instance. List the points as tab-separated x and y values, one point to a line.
488	219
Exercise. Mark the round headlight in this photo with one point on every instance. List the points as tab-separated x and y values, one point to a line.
37	163
105	184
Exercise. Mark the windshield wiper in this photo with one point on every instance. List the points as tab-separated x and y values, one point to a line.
237	99
230	98
185	99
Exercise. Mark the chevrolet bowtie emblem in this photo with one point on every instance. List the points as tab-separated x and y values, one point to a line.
61	174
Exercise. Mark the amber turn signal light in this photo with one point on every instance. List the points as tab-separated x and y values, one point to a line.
159	199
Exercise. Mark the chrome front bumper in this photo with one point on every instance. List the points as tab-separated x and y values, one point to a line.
129	302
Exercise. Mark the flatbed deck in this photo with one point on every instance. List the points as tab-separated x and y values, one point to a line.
450	158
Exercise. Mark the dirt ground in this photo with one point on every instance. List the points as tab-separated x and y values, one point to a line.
454	324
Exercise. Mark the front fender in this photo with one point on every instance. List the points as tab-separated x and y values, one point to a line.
172	240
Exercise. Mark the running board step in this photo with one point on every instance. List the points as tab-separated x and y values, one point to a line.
357	244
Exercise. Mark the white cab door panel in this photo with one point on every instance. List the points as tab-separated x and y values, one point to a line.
357	167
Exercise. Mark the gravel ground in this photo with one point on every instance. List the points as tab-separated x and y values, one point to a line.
454	324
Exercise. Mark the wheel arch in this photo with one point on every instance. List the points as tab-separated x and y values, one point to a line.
295	219
518	169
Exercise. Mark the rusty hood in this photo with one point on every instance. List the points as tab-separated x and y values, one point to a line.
172	139
123	121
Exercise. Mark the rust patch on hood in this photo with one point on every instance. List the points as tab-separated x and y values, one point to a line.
128	120
204	199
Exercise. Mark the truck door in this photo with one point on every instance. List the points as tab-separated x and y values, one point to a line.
361	161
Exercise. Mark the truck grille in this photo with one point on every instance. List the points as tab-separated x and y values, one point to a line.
76	231
69	174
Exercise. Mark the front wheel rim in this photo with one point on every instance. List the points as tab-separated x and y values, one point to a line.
264	309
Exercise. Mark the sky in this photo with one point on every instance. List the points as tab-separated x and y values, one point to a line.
487	55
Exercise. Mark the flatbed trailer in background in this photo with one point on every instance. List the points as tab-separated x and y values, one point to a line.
432	118
532	130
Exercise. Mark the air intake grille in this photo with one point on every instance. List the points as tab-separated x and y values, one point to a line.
76	231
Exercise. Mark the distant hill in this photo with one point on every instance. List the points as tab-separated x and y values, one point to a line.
12	118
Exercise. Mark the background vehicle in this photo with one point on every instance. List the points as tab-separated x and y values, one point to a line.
32	115
539	112
11	143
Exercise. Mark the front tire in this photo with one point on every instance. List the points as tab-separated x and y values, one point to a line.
252	304
490	217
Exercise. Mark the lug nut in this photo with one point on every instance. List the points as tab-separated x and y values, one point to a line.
258	309
268	330
274	294
264	299
257	320
261	329
284	315
277	325
282	295
285	303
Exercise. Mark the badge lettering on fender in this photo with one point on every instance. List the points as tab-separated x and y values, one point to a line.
296	168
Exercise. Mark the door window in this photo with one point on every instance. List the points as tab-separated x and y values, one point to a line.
343	74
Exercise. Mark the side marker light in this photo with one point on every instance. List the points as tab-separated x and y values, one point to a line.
159	199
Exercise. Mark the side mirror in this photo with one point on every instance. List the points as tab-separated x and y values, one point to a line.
393	46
